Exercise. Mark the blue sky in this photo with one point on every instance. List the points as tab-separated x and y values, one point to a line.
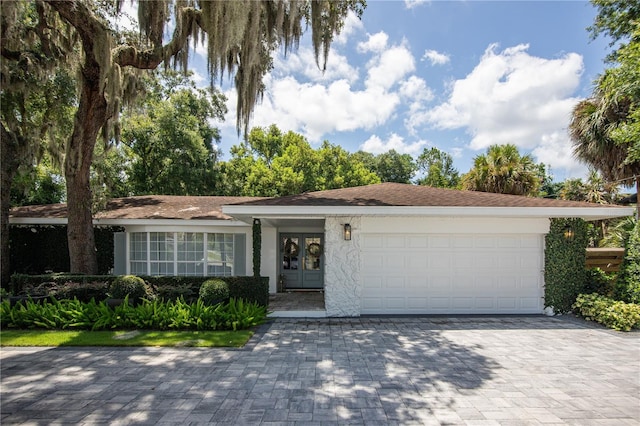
457	75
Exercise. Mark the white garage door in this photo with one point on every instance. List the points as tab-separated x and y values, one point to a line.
451	274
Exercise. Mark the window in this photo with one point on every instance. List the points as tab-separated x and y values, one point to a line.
181	253
190	253
220	254
161	253
138	253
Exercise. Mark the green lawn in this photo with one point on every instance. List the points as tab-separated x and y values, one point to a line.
124	338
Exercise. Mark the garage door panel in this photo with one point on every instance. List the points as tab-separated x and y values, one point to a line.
395	242
394	283
452	273
394	262
439	242
371	282
418	242
419	303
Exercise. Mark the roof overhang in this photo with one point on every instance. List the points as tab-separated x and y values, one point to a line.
128	222
246	213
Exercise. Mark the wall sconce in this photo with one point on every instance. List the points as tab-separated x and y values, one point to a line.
568	233
347	232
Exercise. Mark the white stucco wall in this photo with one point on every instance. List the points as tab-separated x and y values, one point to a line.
342	282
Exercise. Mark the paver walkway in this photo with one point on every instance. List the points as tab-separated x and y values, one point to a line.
429	370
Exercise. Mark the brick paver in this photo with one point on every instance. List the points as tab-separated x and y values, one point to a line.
521	370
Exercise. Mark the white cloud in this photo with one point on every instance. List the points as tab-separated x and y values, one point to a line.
317	109
415	88
410	4
375	145
376	43
304	62
390	67
513	97
436	58
555	150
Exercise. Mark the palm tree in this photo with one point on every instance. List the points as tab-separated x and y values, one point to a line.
591	123
503	170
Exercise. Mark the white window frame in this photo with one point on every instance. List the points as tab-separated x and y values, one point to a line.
205	268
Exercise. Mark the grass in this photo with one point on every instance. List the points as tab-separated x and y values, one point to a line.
124	338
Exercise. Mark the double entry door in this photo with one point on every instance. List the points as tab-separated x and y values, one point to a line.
302	260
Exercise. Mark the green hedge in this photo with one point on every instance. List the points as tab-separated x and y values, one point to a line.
627	287
608	312
564	260
167	287
36	249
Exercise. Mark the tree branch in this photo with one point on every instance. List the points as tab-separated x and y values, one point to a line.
151	58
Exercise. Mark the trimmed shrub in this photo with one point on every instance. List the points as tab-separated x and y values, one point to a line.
628	286
84	292
168	292
129	285
214	291
608	312
249	289
24	284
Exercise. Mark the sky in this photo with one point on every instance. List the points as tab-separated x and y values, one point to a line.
456	75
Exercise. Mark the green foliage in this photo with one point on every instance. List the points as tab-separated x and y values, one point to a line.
599	281
564	272
391	166
628	285
150	314
438	169
272	163
37	249
170	141
62	285
129	285
257	247
37	184
608	312
167	287
174	292
214	291
503	170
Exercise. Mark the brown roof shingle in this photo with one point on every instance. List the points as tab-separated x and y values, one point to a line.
144	207
399	194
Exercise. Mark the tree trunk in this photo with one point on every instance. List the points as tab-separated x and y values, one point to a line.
90	117
10	148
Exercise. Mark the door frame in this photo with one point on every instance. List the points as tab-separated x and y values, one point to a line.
301	260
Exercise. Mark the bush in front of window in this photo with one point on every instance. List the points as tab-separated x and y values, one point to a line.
214	291
129	285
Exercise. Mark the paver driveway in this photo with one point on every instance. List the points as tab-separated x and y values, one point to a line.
424	370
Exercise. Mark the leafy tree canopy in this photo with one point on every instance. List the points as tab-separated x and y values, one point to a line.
503	170
438	169
273	163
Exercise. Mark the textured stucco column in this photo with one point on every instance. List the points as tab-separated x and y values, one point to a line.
342	267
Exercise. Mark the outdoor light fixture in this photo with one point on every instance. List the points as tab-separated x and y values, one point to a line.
568	233
347	232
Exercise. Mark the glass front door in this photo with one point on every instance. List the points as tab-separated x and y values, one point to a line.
302	261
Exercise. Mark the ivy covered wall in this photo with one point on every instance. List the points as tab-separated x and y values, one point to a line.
564	259
36	249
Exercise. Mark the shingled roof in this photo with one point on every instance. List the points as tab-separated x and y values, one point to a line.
399	194
144	207
363	197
